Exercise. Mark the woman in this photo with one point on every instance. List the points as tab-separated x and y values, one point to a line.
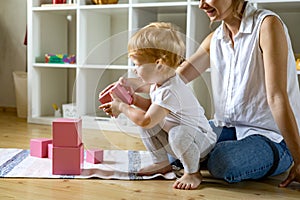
254	86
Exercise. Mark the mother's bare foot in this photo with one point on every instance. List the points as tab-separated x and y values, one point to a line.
156	168
188	181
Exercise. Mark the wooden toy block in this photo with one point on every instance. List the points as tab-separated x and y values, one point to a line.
119	91
39	147
50	150
94	156
67	132
67	160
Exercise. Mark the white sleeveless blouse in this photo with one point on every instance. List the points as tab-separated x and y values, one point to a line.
238	79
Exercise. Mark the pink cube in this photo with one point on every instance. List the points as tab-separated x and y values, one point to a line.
67	160
94	156
50	150
39	147
119	91
67	132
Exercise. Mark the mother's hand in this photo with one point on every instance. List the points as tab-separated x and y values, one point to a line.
294	175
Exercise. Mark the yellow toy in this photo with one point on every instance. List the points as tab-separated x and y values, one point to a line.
298	64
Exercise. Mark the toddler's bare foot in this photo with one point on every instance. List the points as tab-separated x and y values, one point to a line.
162	168
188	181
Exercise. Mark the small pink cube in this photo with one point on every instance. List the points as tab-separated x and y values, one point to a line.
67	160
119	91
50	150
94	156
39	147
67	132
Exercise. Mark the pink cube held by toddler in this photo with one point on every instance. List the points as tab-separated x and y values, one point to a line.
67	160
94	156
119	91
67	132
39	147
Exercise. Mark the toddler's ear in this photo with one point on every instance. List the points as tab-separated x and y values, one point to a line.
159	64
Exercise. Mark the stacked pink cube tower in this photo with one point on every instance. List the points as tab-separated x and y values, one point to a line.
68	151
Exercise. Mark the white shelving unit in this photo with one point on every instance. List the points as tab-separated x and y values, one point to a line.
98	35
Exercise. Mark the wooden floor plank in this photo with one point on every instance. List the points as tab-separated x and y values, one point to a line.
16	133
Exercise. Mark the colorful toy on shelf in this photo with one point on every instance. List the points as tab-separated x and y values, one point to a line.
39	147
105	1
68	151
118	90
60	58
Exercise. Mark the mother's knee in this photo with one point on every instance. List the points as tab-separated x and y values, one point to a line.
222	163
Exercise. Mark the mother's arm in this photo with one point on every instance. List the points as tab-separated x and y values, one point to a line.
197	63
275	52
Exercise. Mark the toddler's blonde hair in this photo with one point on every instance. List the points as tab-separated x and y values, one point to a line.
158	40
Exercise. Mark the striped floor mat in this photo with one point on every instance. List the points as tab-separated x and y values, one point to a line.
117	164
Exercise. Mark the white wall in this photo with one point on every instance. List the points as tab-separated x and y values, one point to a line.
12	50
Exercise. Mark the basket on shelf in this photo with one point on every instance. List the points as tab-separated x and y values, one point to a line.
105	1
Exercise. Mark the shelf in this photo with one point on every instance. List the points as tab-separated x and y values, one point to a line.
54	65
279	6
106	6
275	1
122	67
55	7
98	123
98	36
160	5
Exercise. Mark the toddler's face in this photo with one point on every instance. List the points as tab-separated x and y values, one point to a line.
145	70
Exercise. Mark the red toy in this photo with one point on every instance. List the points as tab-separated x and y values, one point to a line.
94	156
67	151
67	132
67	160
118	90
39	147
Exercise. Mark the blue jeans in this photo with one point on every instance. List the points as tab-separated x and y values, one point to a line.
250	158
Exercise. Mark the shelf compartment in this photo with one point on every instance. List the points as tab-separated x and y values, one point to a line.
142	16
292	6
92	82
51	85
103	36
90	3
198	29
47	4
55	32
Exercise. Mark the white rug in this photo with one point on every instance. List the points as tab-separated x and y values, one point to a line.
117	164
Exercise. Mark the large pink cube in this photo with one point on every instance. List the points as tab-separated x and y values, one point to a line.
39	147
67	160
94	156
119	91
67	132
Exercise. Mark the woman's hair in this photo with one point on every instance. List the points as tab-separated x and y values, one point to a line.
158	40
235	8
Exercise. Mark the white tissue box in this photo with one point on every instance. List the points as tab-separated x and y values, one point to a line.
70	110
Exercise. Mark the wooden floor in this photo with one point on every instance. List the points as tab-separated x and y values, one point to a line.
16	133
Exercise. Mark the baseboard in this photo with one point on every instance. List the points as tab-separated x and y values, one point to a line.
8	109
